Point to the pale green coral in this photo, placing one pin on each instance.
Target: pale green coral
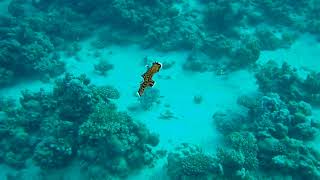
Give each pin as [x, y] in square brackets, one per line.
[189, 162]
[245, 143]
[106, 92]
[103, 122]
[196, 165]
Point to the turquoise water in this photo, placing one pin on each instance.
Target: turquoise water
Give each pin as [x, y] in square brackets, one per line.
[237, 95]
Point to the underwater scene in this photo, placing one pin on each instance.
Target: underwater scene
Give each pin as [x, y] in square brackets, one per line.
[159, 89]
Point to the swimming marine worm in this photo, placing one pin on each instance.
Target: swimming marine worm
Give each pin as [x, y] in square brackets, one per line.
[147, 77]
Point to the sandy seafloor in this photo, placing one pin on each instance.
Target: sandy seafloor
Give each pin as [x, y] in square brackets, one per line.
[193, 122]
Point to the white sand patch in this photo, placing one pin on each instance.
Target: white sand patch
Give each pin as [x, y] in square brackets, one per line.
[194, 121]
[304, 53]
[14, 91]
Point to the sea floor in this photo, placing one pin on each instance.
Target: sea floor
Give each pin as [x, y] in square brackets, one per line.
[3, 6]
[192, 122]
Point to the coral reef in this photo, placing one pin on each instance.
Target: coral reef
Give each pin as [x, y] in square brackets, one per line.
[215, 30]
[189, 162]
[52, 153]
[273, 137]
[75, 97]
[227, 122]
[75, 121]
[246, 55]
[288, 83]
[115, 137]
[26, 52]
[106, 92]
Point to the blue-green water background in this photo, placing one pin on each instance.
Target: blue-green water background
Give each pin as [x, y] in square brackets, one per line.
[237, 96]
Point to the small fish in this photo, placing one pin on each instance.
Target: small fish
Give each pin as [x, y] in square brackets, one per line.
[147, 77]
